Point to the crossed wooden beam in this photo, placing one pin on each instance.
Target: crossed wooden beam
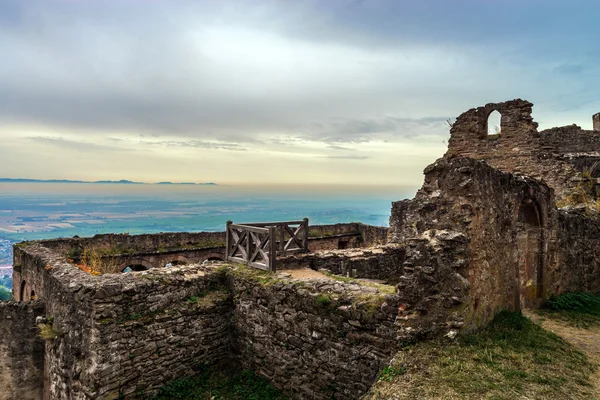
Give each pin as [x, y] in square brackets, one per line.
[256, 244]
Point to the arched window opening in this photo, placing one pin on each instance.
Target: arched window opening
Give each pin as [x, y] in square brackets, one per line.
[494, 123]
[22, 292]
[134, 268]
[33, 296]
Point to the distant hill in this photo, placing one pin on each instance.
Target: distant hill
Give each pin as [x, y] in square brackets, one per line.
[186, 183]
[121, 182]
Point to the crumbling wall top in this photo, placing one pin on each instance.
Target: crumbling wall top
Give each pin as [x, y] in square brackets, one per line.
[473, 123]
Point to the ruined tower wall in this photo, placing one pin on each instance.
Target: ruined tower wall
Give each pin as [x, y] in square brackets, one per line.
[557, 156]
[517, 248]
[21, 351]
[477, 207]
[508, 149]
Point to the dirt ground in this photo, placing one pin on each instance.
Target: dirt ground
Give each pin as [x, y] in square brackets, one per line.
[586, 340]
[304, 273]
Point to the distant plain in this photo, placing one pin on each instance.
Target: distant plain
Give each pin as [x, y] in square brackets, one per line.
[30, 211]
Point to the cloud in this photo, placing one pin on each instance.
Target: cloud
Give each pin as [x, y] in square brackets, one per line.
[348, 157]
[196, 144]
[72, 144]
[281, 79]
[336, 147]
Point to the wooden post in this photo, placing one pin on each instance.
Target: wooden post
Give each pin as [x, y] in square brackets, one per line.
[227, 239]
[248, 247]
[305, 238]
[272, 247]
[281, 228]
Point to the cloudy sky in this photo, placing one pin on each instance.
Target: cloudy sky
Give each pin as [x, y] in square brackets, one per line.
[325, 91]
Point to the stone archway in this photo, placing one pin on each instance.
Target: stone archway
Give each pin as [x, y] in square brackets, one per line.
[530, 244]
[177, 261]
[213, 257]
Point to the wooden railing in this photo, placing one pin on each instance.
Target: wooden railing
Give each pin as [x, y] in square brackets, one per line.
[259, 244]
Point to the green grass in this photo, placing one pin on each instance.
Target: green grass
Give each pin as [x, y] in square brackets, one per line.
[581, 310]
[512, 358]
[324, 299]
[212, 384]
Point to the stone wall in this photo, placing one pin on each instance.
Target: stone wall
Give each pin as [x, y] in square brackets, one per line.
[65, 290]
[479, 240]
[378, 262]
[115, 243]
[321, 339]
[111, 253]
[152, 327]
[125, 335]
[578, 258]
[490, 232]
[21, 351]
[345, 236]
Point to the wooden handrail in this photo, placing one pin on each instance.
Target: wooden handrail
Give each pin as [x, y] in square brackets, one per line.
[258, 244]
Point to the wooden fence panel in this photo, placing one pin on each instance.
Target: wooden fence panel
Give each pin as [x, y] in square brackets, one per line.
[259, 244]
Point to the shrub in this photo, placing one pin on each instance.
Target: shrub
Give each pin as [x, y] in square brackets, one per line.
[575, 301]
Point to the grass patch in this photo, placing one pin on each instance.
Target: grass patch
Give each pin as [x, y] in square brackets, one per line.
[324, 300]
[211, 384]
[512, 358]
[368, 304]
[390, 372]
[258, 275]
[581, 310]
[209, 299]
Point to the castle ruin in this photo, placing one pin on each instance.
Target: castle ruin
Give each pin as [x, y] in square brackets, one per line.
[483, 234]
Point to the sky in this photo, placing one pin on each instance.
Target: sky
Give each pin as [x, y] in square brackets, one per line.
[320, 92]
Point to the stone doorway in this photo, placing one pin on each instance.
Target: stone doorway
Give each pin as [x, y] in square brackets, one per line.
[530, 240]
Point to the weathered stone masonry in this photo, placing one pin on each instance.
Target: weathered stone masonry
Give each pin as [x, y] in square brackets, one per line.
[21, 351]
[480, 236]
[557, 156]
[128, 334]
